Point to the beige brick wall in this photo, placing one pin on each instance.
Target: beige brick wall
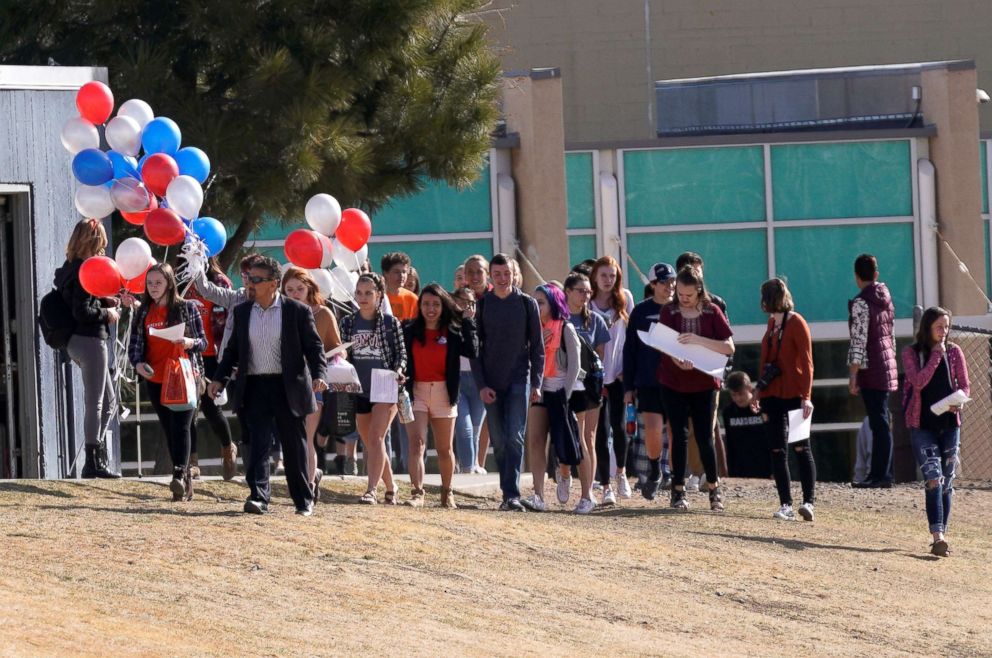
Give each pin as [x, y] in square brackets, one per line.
[601, 45]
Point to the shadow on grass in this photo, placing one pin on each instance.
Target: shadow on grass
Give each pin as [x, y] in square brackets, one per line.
[147, 510]
[796, 544]
[22, 487]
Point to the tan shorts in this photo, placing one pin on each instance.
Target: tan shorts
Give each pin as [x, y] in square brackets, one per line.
[432, 398]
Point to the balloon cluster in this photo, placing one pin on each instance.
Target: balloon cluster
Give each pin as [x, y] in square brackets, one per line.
[335, 236]
[162, 191]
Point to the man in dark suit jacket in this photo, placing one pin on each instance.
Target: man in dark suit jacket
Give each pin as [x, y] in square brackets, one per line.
[280, 362]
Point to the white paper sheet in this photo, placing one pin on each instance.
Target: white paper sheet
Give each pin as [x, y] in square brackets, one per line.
[665, 339]
[955, 399]
[385, 388]
[173, 334]
[340, 349]
[799, 428]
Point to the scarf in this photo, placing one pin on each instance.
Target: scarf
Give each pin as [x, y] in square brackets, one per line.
[551, 345]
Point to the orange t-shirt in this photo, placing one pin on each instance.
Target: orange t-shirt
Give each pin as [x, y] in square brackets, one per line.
[206, 310]
[404, 305]
[158, 351]
[429, 359]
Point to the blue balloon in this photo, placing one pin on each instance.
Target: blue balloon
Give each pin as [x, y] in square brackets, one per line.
[124, 165]
[193, 162]
[92, 167]
[161, 135]
[212, 232]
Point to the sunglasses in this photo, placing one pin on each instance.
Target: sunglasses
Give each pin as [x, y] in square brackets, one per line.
[259, 279]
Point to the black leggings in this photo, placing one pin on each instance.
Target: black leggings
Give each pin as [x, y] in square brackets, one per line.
[776, 412]
[612, 418]
[175, 425]
[680, 407]
[215, 417]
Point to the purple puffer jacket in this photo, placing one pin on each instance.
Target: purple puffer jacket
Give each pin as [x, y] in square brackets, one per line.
[917, 378]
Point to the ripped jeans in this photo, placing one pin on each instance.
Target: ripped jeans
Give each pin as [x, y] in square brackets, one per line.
[937, 455]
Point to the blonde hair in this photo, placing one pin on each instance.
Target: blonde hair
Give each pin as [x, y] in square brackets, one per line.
[314, 298]
[89, 238]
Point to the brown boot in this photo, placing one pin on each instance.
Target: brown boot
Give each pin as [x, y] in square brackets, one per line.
[194, 466]
[416, 498]
[448, 499]
[230, 456]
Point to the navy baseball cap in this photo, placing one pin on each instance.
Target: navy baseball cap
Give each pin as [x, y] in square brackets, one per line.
[661, 272]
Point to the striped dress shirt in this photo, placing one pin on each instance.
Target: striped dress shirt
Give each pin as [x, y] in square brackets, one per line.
[265, 334]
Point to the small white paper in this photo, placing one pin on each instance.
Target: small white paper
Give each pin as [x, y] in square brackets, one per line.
[173, 334]
[340, 349]
[799, 427]
[666, 340]
[955, 399]
[385, 388]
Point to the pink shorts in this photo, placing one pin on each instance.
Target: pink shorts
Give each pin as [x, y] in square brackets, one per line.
[432, 398]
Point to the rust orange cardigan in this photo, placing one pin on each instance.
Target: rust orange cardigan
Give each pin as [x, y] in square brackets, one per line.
[794, 357]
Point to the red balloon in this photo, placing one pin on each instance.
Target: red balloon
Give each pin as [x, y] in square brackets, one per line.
[305, 248]
[164, 227]
[95, 102]
[138, 218]
[158, 171]
[354, 230]
[100, 277]
[136, 286]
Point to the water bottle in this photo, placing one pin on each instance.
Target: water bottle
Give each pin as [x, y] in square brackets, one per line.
[631, 420]
[404, 407]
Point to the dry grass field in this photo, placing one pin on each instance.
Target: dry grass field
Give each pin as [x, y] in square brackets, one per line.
[113, 568]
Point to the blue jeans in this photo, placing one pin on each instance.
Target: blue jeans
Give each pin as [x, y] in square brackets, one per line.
[877, 407]
[507, 430]
[937, 455]
[471, 413]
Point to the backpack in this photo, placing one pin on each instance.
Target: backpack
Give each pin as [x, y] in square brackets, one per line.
[55, 320]
[592, 367]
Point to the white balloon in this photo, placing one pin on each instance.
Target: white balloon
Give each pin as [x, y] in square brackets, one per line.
[79, 134]
[344, 284]
[327, 252]
[133, 257]
[130, 195]
[185, 196]
[324, 281]
[323, 213]
[124, 135]
[94, 201]
[138, 110]
[362, 255]
[348, 259]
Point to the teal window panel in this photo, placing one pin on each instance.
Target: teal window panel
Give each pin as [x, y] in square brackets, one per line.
[435, 260]
[580, 180]
[272, 228]
[818, 264]
[694, 186]
[983, 153]
[736, 264]
[580, 247]
[854, 179]
[438, 208]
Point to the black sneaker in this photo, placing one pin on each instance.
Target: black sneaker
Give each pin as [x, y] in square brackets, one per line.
[872, 484]
[678, 501]
[306, 510]
[256, 506]
[716, 499]
[512, 505]
[650, 488]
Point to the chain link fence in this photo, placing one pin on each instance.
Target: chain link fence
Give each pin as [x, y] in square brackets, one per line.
[976, 423]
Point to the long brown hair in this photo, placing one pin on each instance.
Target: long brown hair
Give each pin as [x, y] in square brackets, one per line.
[314, 298]
[89, 238]
[172, 298]
[924, 339]
[691, 276]
[618, 301]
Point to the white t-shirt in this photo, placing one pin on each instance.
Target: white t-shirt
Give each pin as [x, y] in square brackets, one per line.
[613, 358]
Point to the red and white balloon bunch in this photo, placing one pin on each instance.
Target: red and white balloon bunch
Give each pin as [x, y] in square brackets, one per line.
[335, 236]
[162, 191]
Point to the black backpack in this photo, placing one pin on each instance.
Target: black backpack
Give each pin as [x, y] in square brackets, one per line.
[55, 320]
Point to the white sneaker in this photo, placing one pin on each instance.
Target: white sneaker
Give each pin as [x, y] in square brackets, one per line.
[564, 489]
[806, 511]
[478, 470]
[535, 503]
[596, 486]
[585, 506]
[785, 513]
[623, 487]
[692, 484]
[609, 498]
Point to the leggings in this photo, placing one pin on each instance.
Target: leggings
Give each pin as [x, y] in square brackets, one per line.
[175, 424]
[611, 420]
[100, 400]
[776, 412]
[213, 414]
[680, 407]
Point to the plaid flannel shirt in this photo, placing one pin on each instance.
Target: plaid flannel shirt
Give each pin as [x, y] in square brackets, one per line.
[188, 315]
[390, 335]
